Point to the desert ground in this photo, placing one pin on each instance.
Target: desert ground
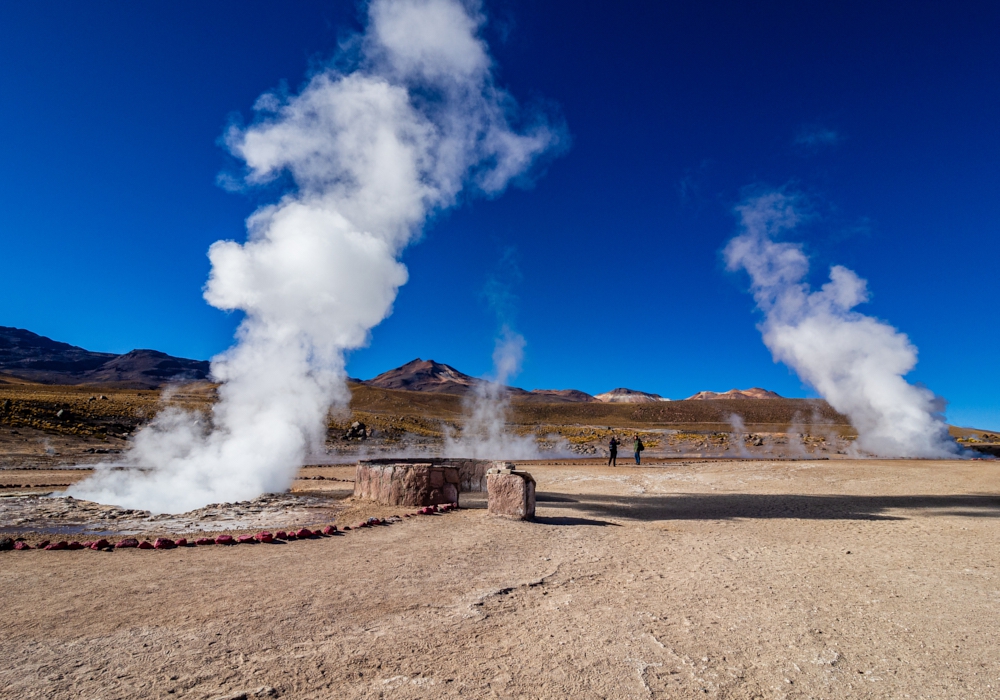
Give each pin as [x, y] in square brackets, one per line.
[683, 579]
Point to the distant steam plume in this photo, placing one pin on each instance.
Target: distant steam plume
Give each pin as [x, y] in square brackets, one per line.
[484, 433]
[854, 361]
[372, 154]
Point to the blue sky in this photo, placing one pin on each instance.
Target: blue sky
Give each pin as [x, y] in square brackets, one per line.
[883, 115]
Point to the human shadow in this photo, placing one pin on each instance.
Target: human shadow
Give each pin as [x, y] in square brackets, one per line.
[732, 506]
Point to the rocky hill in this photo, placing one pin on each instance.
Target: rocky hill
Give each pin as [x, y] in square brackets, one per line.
[559, 396]
[622, 395]
[30, 356]
[753, 393]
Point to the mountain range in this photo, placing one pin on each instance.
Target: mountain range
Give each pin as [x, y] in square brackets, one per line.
[436, 377]
[29, 356]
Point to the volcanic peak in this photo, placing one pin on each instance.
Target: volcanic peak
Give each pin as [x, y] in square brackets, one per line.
[425, 375]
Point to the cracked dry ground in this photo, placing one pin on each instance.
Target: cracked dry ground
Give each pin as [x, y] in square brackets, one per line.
[721, 580]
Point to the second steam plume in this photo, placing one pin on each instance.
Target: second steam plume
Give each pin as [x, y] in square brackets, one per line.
[373, 152]
[856, 362]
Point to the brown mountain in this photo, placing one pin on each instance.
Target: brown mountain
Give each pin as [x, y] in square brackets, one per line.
[753, 393]
[30, 356]
[425, 375]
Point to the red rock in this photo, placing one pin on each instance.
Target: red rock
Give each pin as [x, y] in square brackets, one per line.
[163, 543]
[145, 545]
[347, 528]
[290, 536]
[21, 545]
[225, 539]
[280, 535]
[57, 546]
[511, 494]
[406, 483]
[304, 532]
[87, 544]
[74, 545]
[182, 542]
[330, 530]
[127, 542]
[265, 537]
[43, 544]
[246, 539]
[100, 544]
[201, 541]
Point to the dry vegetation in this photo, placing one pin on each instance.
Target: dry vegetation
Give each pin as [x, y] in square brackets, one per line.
[47, 425]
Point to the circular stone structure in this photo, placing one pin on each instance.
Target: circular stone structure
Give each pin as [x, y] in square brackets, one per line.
[425, 481]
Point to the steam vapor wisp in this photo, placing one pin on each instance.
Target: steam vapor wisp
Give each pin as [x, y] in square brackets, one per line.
[856, 362]
[484, 433]
[372, 153]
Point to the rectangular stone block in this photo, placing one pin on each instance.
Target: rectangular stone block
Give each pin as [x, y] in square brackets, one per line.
[473, 474]
[511, 494]
[406, 484]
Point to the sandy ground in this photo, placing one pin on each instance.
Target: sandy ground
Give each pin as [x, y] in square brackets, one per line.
[825, 579]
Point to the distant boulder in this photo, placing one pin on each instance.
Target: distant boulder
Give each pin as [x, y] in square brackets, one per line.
[357, 431]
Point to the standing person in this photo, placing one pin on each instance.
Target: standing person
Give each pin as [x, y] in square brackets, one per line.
[638, 447]
[613, 451]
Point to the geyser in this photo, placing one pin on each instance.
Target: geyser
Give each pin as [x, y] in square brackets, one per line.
[372, 152]
[856, 362]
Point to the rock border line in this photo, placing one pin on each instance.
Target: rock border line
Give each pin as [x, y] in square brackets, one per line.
[263, 537]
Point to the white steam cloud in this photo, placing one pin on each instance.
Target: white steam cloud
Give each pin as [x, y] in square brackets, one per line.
[372, 153]
[854, 361]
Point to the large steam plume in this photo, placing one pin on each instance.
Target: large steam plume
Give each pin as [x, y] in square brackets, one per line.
[372, 153]
[854, 361]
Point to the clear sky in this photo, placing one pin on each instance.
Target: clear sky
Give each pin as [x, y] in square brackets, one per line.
[884, 115]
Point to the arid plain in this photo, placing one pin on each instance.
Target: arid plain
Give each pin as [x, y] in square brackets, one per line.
[820, 577]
